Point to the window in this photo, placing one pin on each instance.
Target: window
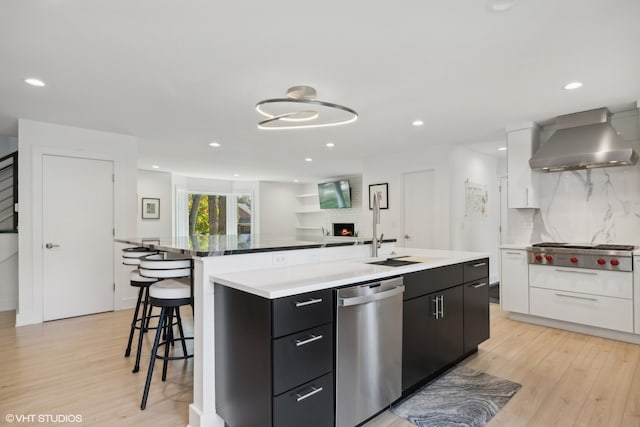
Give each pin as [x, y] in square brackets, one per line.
[219, 214]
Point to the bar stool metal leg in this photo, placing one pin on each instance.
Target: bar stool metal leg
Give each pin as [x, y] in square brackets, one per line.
[134, 322]
[152, 359]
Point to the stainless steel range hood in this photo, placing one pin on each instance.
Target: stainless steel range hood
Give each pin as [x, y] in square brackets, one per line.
[581, 141]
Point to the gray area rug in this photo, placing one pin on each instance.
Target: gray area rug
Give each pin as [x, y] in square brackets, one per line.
[462, 397]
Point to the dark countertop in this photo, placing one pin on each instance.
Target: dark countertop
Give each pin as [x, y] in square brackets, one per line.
[218, 245]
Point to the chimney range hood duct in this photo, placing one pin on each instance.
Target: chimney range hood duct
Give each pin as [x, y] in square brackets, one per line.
[581, 141]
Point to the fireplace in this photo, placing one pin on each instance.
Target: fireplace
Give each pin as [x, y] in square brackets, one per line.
[343, 229]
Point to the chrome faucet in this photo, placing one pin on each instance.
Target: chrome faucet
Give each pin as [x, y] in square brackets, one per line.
[375, 242]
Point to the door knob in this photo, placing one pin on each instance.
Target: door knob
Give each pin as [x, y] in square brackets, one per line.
[406, 236]
[51, 245]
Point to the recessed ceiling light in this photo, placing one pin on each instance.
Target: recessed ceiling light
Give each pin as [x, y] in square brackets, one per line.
[214, 144]
[502, 149]
[308, 159]
[236, 174]
[417, 123]
[330, 144]
[155, 166]
[34, 82]
[500, 5]
[573, 85]
[295, 180]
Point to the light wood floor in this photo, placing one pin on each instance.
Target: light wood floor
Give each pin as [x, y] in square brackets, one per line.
[76, 366]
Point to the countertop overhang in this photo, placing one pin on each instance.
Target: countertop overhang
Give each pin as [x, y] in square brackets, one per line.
[219, 245]
[280, 282]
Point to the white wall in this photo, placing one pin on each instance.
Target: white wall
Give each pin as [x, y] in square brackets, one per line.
[36, 138]
[391, 169]
[8, 271]
[470, 230]
[156, 185]
[277, 209]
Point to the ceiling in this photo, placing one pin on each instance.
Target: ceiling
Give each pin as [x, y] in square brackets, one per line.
[181, 74]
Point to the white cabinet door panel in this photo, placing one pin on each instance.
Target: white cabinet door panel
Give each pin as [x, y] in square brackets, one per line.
[514, 281]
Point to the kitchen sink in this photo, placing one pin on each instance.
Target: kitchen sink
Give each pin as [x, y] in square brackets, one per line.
[394, 262]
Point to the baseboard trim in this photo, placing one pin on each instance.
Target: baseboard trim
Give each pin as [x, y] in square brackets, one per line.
[576, 327]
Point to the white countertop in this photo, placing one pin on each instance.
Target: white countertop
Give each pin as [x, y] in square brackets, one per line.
[285, 281]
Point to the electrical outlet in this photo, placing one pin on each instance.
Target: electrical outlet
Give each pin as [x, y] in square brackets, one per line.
[279, 259]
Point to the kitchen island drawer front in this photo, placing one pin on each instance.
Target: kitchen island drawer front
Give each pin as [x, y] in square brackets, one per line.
[433, 280]
[298, 312]
[310, 405]
[586, 309]
[617, 284]
[300, 357]
[476, 270]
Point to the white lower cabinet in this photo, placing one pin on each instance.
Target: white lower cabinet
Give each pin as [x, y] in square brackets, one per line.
[514, 280]
[586, 309]
[599, 298]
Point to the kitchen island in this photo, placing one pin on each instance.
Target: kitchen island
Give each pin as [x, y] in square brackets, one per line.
[273, 269]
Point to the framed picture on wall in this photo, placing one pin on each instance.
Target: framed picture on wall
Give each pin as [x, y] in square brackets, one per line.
[382, 192]
[150, 208]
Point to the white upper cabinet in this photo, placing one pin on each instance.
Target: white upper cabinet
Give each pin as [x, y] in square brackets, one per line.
[523, 182]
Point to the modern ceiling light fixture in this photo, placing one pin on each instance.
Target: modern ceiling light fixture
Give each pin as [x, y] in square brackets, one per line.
[300, 110]
[417, 123]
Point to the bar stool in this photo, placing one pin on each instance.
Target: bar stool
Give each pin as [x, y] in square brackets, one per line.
[140, 321]
[172, 291]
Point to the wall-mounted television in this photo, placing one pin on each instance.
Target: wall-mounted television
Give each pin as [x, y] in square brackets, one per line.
[335, 194]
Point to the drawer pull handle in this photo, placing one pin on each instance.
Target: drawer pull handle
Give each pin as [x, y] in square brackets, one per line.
[513, 253]
[313, 391]
[576, 297]
[480, 264]
[579, 272]
[311, 301]
[479, 285]
[312, 338]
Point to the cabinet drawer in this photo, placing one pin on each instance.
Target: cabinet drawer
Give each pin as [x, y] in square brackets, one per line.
[476, 270]
[310, 405]
[593, 310]
[432, 280]
[617, 284]
[300, 357]
[304, 311]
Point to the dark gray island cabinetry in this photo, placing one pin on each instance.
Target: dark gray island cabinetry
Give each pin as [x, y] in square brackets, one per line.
[274, 359]
[445, 317]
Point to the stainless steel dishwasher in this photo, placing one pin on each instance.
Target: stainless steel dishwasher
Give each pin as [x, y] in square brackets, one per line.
[369, 349]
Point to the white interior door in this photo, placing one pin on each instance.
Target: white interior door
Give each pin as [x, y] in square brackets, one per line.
[419, 209]
[77, 236]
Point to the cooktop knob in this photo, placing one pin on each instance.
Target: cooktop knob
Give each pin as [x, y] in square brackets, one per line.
[549, 258]
[538, 257]
[573, 259]
[601, 261]
[614, 262]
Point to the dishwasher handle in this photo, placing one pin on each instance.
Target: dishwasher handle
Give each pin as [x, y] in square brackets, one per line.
[345, 302]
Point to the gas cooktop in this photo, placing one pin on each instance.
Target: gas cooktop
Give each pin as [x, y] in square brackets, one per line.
[601, 247]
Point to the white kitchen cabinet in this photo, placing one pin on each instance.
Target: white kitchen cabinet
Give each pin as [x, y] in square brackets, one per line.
[514, 280]
[600, 298]
[522, 181]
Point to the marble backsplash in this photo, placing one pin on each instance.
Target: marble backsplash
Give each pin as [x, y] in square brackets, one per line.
[585, 206]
